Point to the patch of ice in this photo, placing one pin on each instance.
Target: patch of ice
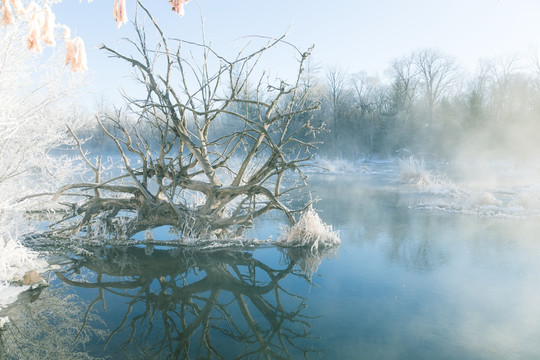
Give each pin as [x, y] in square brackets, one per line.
[9, 294]
[508, 203]
[207, 244]
[337, 166]
[486, 198]
[526, 199]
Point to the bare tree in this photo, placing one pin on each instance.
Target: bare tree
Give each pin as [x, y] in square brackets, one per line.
[364, 88]
[336, 79]
[404, 77]
[366, 93]
[477, 94]
[184, 172]
[438, 72]
[503, 71]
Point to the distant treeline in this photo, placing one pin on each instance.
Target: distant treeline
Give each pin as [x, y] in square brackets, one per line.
[426, 104]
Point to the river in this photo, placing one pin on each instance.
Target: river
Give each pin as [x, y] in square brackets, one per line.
[428, 268]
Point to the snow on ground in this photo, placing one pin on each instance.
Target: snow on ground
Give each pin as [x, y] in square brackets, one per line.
[334, 166]
[502, 188]
[15, 261]
[488, 189]
[8, 294]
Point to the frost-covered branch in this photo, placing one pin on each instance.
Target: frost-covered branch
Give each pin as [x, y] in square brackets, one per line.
[33, 117]
[183, 167]
[40, 23]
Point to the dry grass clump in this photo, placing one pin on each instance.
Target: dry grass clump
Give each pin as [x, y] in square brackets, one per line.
[413, 172]
[309, 231]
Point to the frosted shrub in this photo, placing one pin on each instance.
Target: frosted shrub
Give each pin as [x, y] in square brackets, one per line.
[334, 166]
[3, 321]
[413, 171]
[309, 231]
[15, 259]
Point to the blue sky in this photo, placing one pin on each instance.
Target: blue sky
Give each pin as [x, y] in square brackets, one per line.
[363, 35]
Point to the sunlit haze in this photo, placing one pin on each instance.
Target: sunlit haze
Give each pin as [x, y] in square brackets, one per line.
[354, 35]
[207, 186]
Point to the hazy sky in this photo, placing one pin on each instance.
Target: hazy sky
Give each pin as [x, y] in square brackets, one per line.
[362, 35]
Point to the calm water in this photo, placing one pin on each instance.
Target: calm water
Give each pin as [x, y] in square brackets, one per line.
[408, 282]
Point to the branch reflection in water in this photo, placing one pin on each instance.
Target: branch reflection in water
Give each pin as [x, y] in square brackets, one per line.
[184, 303]
[44, 324]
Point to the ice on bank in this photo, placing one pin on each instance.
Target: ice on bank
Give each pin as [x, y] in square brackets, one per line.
[15, 262]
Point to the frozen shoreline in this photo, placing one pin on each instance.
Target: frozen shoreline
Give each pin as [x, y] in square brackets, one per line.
[15, 262]
[8, 295]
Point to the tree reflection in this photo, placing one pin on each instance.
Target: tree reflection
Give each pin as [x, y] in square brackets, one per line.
[43, 324]
[182, 303]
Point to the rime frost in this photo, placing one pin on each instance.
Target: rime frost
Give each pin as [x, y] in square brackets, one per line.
[33, 119]
[414, 172]
[309, 231]
[14, 258]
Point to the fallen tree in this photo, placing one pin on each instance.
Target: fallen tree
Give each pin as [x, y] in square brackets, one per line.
[216, 143]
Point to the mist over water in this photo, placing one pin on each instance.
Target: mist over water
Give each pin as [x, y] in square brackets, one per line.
[422, 243]
[450, 280]
[507, 188]
[429, 266]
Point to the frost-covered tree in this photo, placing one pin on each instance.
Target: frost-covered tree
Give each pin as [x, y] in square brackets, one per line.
[183, 173]
[33, 119]
[41, 24]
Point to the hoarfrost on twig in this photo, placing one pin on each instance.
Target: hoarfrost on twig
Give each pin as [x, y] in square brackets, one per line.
[310, 231]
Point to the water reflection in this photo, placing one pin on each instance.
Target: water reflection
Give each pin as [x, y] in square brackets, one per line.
[181, 303]
[44, 323]
[428, 285]
[380, 216]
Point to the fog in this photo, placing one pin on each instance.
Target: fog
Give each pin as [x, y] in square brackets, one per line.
[426, 104]
[427, 176]
[465, 272]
